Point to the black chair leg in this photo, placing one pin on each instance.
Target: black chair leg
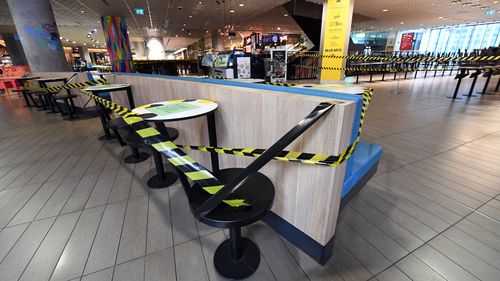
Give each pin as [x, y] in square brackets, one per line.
[56, 104]
[237, 257]
[119, 137]
[136, 157]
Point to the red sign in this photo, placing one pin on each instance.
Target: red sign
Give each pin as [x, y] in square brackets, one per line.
[407, 41]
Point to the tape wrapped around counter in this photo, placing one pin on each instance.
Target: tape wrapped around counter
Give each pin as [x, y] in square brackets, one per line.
[185, 163]
[293, 156]
[70, 86]
[201, 176]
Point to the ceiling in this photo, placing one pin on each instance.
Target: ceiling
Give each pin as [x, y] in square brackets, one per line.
[182, 20]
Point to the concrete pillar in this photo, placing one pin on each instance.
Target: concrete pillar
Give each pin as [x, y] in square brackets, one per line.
[37, 29]
[120, 53]
[14, 48]
[84, 53]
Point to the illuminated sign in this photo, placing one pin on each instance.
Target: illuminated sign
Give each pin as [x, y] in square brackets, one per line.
[139, 11]
[489, 12]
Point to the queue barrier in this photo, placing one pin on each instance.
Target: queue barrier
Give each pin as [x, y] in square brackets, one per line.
[402, 60]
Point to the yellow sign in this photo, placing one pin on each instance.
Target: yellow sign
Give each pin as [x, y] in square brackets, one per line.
[336, 30]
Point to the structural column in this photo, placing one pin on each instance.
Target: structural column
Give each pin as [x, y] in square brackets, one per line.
[115, 32]
[84, 53]
[335, 37]
[15, 49]
[37, 29]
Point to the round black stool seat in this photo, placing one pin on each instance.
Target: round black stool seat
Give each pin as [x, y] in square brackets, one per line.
[257, 189]
[117, 123]
[237, 257]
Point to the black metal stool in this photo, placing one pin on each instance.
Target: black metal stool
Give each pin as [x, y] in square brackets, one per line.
[115, 125]
[237, 257]
[136, 142]
[162, 178]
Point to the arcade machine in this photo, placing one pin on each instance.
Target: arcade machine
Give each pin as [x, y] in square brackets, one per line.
[225, 64]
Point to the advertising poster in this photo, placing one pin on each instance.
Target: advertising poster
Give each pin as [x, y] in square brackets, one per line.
[407, 42]
[244, 65]
[337, 27]
[279, 60]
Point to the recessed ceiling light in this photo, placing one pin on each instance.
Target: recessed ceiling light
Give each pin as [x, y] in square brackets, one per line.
[190, 17]
[60, 38]
[232, 11]
[82, 11]
[176, 35]
[84, 44]
[182, 29]
[189, 33]
[385, 10]
[241, 5]
[73, 42]
[199, 3]
[207, 31]
[440, 18]
[402, 22]
[285, 15]
[67, 40]
[278, 28]
[184, 24]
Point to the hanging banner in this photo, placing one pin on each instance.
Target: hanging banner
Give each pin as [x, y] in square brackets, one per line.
[336, 30]
[407, 42]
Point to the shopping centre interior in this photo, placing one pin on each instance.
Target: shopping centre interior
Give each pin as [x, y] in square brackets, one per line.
[182, 140]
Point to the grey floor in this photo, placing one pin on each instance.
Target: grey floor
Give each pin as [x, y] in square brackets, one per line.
[70, 209]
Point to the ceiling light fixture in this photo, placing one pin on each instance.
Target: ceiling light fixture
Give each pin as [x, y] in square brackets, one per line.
[199, 3]
[82, 11]
[241, 5]
[285, 15]
[232, 11]
[385, 10]
[402, 22]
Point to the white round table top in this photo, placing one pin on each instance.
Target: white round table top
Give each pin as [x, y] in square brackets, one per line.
[107, 87]
[172, 110]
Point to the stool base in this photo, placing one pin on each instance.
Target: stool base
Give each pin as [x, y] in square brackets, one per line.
[237, 269]
[132, 159]
[156, 183]
[104, 137]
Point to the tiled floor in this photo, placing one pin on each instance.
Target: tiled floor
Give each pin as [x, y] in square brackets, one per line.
[70, 209]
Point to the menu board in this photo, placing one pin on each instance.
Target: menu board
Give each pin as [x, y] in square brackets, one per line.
[244, 67]
[336, 32]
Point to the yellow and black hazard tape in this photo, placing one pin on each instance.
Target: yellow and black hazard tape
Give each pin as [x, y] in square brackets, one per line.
[279, 84]
[402, 60]
[70, 86]
[218, 77]
[293, 156]
[200, 175]
[366, 69]
[185, 163]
